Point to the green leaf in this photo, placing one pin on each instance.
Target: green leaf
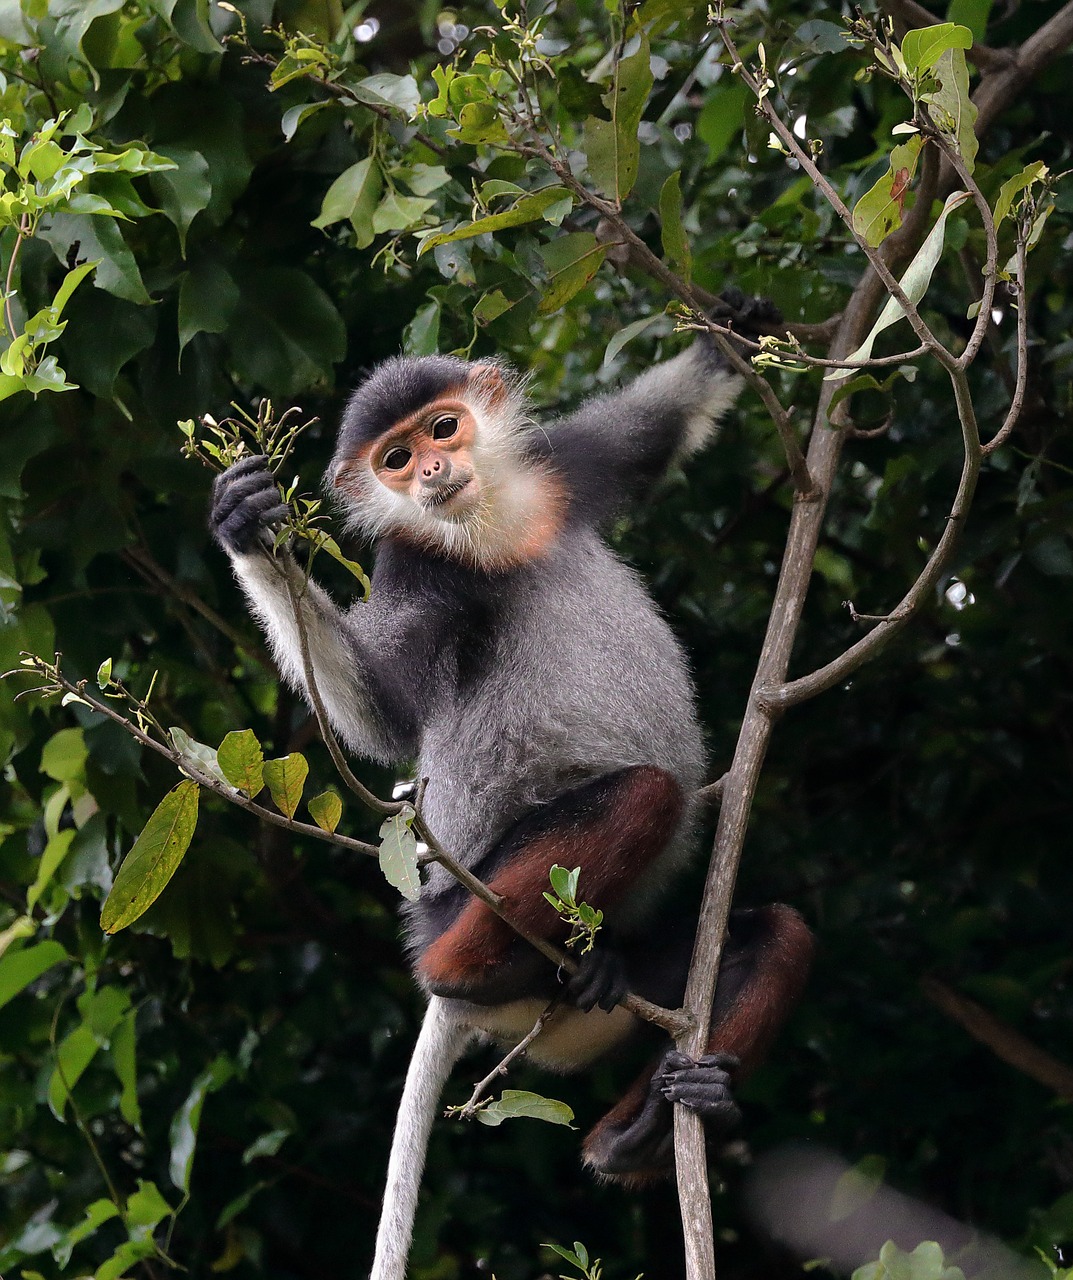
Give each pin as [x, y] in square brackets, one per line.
[55, 852]
[398, 854]
[922, 49]
[353, 195]
[18, 969]
[184, 191]
[286, 779]
[675, 241]
[145, 1208]
[914, 283]
[325, 542]
[422, 334]
[723, 117]
[266, 1145]
[528, 209]
[1013, 187]
[518, 1103]
[612, 146]
[64, 756]
[124, 1061]
[386, 90]
[104, 674]
[880, 210]
[154, 859]
[293, 118]
[572, 261]
[100, 240]
[199, 755]
[207, 299]
[953, 111]
[630, 332]
[326, 810]
[187, 1120]
[242, 761]
[98, 1213]
[972, 14]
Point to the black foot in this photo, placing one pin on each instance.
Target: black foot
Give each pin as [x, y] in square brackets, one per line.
[600, 980]
[702, 1085]
[245, 505]
[747, 315]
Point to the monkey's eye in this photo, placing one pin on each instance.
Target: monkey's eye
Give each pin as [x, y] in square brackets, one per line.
[444, 428]
[396, 459]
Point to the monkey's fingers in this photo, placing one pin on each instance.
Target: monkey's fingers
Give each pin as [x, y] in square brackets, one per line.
[600, 980]
[246, 502]
[702, 1085]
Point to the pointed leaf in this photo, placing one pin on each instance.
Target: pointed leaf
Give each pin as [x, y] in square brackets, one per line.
[187, 1120]
[914, 283]
[1013, 187]
[286, 779]
[326, 810]
[675, 241]
[517, 1103]
[242, 761]
[879, 211]
[572, 261]
[528, 209]
[19, 968]
[950, 105]
[154, 859]
[923, 48]
[398, 854]
[613, 147]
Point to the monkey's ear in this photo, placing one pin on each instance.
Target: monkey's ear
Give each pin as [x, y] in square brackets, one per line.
[488, 382]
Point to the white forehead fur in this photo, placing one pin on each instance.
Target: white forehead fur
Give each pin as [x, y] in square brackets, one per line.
[513, 488]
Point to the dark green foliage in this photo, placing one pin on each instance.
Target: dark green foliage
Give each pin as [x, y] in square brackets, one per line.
[243, 1043]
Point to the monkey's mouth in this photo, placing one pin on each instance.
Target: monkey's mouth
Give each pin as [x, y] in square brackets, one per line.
[438, 499]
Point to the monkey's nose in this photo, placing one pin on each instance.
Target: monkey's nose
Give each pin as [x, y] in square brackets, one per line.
[430, 468]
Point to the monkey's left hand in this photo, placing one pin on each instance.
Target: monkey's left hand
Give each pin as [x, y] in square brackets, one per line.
[600, 980]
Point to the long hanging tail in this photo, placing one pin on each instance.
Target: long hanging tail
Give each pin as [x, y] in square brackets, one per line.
[438, 1048]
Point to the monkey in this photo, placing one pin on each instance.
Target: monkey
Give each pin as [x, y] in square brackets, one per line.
[523, 665]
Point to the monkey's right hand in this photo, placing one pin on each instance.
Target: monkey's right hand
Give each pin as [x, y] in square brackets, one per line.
[245, 505]
[600, 980]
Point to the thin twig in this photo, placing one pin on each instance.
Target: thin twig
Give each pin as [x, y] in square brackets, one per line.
[1017, 403]
[475, 1102]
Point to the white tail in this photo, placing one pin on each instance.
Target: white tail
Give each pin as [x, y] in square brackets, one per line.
[438, 1048]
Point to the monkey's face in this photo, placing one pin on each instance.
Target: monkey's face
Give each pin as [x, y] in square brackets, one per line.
[429, 458]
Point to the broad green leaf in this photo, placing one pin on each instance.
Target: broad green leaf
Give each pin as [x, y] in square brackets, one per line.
[675, 241]
[71, 281]
[184, 191]
[18, 969]
[74, 1054]
[923, 48]
[98, 1213]
[914, 283]
[286, 779]
[144, 1210]
[389, 90]
[1013, 187]
[422, 335]
[99, 240]
[518, 1103]
[879, 211]
[528, 209]
[572, 261]
[154, 858]
[397, 212]
[491, 306]
[953, 111]
[207, 299]
[326, 810]
[723, 117]
[242, 761]
[613, 147]
[55, 852]
[354, 195]
[64, 756]
[398, 854]
[187, 1120]
[125, 1258]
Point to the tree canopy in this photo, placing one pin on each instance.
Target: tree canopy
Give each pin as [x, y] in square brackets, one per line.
[229, 209]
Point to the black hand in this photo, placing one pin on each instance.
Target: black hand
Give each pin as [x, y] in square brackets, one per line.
[245, 504]
[600, 980]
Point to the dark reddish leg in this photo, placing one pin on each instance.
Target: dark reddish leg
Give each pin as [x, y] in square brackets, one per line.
[765, 965]
[613, 828]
